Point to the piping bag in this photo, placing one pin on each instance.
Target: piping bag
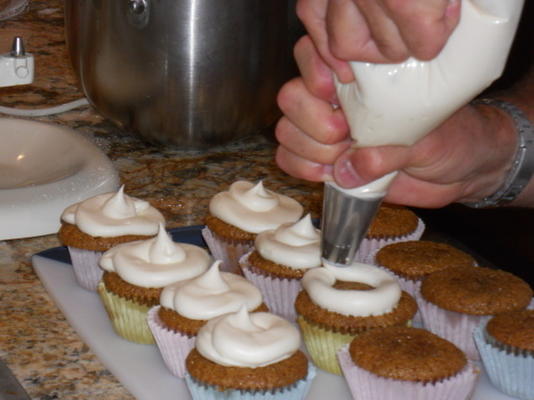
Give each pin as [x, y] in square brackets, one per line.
[397, 104]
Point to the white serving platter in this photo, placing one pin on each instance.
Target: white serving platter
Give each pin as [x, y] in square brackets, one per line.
[139, 367]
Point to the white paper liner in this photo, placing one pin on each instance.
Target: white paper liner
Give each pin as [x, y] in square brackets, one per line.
[278, 294]
[511, 374]
[369, 246]
[228, 253]
[454, 326]
[86, 269]
[365, 385]
[173, 346]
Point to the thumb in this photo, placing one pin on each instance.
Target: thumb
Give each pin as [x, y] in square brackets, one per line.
[358, 166]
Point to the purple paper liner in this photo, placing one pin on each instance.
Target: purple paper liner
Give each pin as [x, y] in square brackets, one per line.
[86, 269]
[226, 251]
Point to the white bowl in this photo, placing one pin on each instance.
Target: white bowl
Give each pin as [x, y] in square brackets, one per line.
[43, 169]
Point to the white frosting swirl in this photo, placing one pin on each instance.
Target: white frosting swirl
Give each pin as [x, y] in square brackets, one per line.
[253, 208]
[296, 245]
[247, 340]
[211, 294]
[155, 262]
[318, 283]
[114, 214]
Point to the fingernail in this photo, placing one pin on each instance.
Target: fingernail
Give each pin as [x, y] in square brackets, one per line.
[345, 174]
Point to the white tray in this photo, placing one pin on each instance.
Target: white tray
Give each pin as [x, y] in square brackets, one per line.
[140, 367]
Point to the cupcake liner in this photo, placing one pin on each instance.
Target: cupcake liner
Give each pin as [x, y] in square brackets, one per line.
[365, 385]
[369, 246]
[454, 326]
[278, 294]
[227, 251]
[322, 345]
[174, 347]
[298, 391]
[85, 266]
[511, 374]
[129, 319]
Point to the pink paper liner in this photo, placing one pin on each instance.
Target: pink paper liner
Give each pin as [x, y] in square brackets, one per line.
[454, 326]
[365, 385]
[86, 269]
[174, 347]
[278, 294]
[228, 252]
[369, 246]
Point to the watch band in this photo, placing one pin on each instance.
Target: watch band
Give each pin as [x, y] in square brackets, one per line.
[523, 162]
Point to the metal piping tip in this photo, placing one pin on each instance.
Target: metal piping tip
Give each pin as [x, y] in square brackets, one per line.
[344, 223]
[17, 48]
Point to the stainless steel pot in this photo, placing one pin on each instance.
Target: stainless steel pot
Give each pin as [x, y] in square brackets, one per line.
[191, 73]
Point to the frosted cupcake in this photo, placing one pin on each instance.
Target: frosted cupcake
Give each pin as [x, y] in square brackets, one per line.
[455, 301]
[135, 275]
[279, 260]
[403, 363]
[186, 306]
[506, 346]
[337, 304]
[93, 226]
[250, 356]
[236, 216]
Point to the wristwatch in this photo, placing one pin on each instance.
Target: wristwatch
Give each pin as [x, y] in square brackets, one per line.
[523, 162]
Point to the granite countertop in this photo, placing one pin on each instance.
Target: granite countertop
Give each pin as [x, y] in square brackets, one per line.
[36, 342]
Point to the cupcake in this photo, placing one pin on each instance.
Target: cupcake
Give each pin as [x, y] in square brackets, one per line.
[413, 260]
[404, 363]
[93, 226]
[248, 356]
[236, 216]
[279, 260]
[337, 304]
[454, 301]
[186, 306]
[391, 224]
[135, 275]
[506, 346]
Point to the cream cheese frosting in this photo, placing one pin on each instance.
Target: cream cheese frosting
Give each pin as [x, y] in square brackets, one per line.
[244, 339]
[296, 245]
[383, 298]
[114, 214]
[253, 208]
[156, 262]
[211, 294]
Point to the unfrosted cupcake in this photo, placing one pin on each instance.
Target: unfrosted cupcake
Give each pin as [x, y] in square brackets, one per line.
[246, 356]
[136, 273]
[391, 224]
[337, 304]
[455, 301]
[237, 215]
[403, 363]
[506, 346]
[414, 260]
[186, 306]
[279, 260]
[93, 226]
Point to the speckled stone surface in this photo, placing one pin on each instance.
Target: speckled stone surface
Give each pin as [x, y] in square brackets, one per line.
[36, 342]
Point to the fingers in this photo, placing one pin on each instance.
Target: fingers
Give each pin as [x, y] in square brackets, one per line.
[300, 167]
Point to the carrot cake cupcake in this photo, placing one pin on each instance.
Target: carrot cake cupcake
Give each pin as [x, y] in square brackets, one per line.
[337, 304]
[92, 226]
[391, 224]
[186, 306]
[454, 301]
[250, 356]
[413, 260]
[279, 260]
[237, 215]
[404, 363]
[136, 273]
[506, 346]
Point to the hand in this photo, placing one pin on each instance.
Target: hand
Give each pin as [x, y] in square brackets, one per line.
[464, 159]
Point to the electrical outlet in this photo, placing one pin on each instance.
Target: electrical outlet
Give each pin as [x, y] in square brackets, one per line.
[16, 67]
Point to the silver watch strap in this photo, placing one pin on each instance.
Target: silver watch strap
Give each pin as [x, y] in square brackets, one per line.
[523, 163]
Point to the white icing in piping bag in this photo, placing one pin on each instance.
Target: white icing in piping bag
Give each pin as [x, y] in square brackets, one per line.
[397, 104]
